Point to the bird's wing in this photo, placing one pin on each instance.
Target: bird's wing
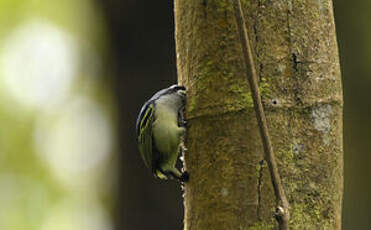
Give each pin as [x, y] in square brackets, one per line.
[144, 132]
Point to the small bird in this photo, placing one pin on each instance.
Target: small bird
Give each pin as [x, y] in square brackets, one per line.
[160, 127]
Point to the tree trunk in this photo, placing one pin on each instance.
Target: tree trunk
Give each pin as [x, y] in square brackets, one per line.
[299, 78]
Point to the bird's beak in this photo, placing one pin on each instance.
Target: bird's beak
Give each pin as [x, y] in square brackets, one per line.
[182, 94]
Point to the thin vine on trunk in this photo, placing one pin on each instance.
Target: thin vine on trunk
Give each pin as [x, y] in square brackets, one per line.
[282, 206]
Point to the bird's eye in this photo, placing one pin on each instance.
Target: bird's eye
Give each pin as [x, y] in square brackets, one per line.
[180, 87]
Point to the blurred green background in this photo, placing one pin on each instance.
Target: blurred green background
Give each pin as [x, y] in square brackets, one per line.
[73, 76]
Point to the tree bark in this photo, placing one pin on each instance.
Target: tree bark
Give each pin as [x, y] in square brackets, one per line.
[296, 59]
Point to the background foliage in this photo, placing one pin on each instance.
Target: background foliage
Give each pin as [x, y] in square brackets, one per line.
[56, 115]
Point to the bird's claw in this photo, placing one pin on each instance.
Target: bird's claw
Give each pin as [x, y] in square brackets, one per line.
[185, 177]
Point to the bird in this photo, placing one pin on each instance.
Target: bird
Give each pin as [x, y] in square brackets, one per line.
[160, 127]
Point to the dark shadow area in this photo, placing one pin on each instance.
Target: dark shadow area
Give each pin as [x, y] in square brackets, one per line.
[143, 48]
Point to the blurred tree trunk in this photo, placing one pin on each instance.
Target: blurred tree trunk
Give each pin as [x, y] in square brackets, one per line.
[355, 44]
[297, 61]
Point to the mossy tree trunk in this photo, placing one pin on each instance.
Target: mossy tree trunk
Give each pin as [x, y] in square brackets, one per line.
[299, 78]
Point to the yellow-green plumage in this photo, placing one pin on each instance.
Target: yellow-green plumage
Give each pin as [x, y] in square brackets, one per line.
[145, 137]
[167, 136]
[159, 135]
